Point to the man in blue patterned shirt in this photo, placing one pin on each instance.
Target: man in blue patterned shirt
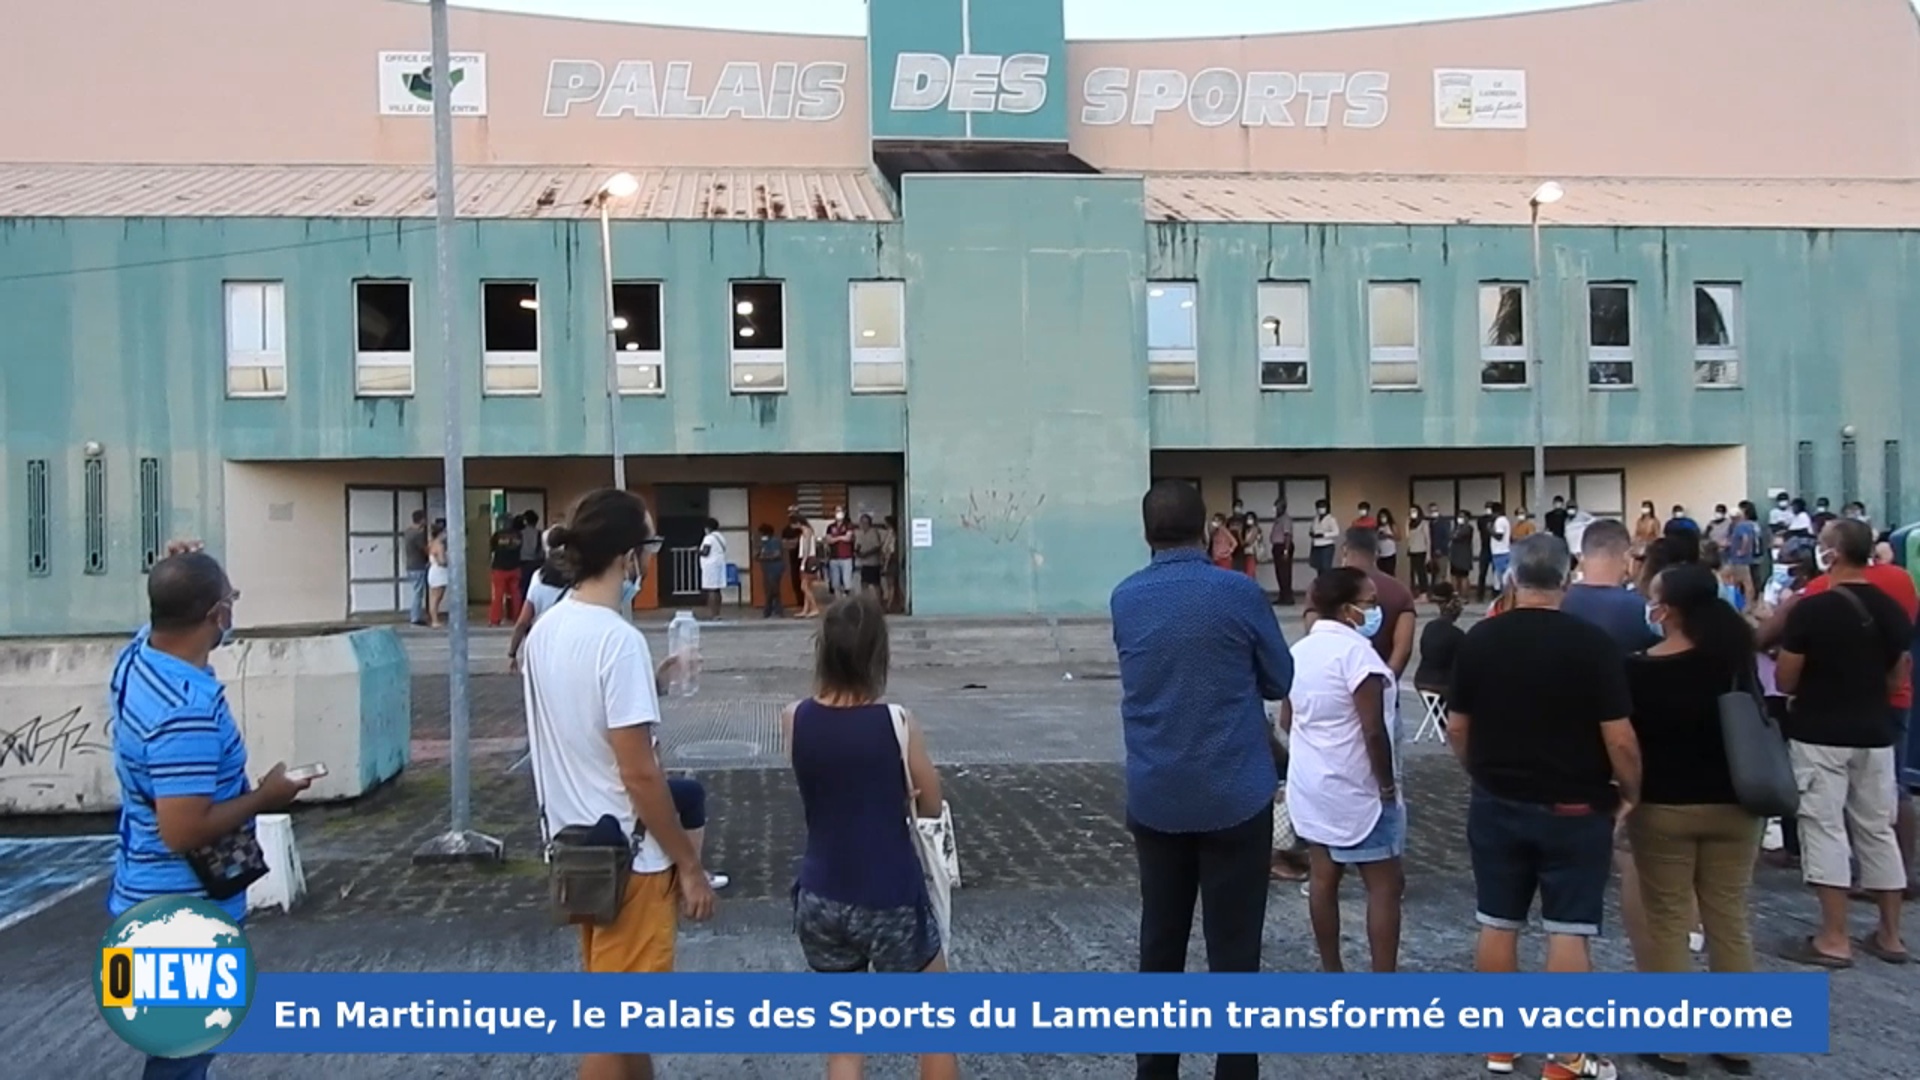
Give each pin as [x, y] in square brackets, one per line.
[1200, 654]
[179, 756]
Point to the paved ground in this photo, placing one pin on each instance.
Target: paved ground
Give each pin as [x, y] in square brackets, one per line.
[1031, 764]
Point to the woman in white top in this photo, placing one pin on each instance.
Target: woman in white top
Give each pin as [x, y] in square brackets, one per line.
[1343, 789]
[713, 567]
[438, 575]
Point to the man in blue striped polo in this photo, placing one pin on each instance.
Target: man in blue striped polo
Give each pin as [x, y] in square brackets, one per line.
[179, 756]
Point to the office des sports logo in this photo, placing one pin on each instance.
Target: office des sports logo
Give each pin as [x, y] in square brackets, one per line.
[175, 976]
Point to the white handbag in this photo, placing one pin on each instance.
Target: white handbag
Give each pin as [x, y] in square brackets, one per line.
[1284, 838]
[933, 844]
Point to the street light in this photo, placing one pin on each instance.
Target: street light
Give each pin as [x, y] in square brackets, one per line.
[618, 186]
[1545, 195]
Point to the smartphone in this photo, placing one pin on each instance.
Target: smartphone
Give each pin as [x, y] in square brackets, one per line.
[307, 772]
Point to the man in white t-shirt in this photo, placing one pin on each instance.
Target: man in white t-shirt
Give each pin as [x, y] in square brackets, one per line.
[593, 712]
[1500, 543]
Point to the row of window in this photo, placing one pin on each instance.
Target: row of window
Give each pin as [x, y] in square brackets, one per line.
[510, 339]
[93, 511]
[1394, 338]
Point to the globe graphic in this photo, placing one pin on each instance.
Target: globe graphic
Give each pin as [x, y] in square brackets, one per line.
[177, 922]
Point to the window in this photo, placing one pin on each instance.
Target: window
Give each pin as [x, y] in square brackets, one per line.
[1503, 335]
[759, 361]
[1610, 327]
[1173, 362]
[1602, 492]
[383, 325]
[1393, 335]
[879, 335]
[1283, 336]
[39, 563]
[639, 341]
[256, 339]
[94, 514]
[1716, 335]
[153, 519]
[509, 337]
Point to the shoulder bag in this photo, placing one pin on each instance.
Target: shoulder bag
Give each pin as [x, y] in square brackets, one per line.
[933, 844]
[1757, 757]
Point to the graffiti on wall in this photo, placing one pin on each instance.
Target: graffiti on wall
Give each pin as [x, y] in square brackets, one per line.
[999, 515]
[44, 745]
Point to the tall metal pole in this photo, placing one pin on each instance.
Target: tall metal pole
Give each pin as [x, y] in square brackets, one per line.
[459, 843]
[1539, 371]
[613, 352]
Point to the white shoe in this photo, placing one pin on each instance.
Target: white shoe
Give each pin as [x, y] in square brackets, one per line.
[1696, 941]
[717, 882]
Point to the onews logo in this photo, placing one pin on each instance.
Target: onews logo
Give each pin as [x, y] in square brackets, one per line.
[175, 976]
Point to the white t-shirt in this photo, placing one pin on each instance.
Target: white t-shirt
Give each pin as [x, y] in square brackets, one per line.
[541, 596]
[1332, 794]
[585, 671]
[713, 561]
[1500, 541]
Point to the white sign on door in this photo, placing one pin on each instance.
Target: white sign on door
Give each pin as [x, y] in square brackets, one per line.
[923, 532]
[406, 84]
[1479, 98]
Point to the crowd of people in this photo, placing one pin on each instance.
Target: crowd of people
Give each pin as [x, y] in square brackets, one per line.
[1586, 716]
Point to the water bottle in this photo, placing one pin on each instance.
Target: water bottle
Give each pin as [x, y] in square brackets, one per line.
[683, 643]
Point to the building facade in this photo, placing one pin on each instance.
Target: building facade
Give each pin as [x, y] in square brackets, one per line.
[962, 272]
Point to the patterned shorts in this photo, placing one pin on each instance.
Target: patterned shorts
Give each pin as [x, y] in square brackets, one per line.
[837, 938]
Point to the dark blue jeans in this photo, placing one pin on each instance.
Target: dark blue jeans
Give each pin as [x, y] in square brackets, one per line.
[190, 1068]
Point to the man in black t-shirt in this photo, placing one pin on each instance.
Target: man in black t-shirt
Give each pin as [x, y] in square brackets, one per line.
[1843, 651]
[1538, 714]
[503, 566]
[1557, 517]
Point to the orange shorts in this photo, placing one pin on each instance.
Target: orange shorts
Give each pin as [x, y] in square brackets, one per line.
[640, 941]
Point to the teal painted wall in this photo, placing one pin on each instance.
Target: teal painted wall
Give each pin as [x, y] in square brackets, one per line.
[1027, 427]
[1026, 353]
[1829, 329]
[116, 333]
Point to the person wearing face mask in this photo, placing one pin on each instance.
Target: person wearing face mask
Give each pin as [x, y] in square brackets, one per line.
[1326, 538]
[1395, 640]
[840, 554]
[1419, 552]
[593, 713]
[1781, 515]
[550, 584]
[1647, 528]
[1343, 777]
[1692, 842]
[178, 755]
[1843, 657]
[1460, 552]
[1823, 515]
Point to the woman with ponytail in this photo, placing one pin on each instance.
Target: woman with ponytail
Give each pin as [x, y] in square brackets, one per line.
[1692, 842]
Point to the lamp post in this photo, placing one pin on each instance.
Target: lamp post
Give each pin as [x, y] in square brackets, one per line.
[618, 186]
[1545, 195]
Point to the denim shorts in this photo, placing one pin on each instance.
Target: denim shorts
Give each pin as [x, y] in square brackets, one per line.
[1500, 563]
[837, 938]
[1565, 854]
[1388, 840]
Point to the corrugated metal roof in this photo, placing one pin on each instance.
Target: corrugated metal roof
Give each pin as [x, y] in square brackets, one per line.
[389, 191]
[1458, 200]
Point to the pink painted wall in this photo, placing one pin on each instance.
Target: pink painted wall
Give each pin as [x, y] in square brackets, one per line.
[1679, 88]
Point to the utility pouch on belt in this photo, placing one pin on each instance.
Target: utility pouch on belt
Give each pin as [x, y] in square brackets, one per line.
[587, 872]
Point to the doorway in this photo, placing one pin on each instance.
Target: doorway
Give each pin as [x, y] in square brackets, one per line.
[485, 509]
[376, 566]
[681, 515]
[1259, 494]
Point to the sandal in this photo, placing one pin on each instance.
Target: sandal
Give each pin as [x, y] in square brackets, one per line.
[1872, 947]
[1805, 952]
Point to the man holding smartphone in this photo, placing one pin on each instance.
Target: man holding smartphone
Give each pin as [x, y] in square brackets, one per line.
[179, 756]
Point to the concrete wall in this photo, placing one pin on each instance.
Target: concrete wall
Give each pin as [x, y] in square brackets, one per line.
[1825, 322]
[1027, 440]
[342, 699]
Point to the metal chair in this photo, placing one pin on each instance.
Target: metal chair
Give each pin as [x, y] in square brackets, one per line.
[1434, 724]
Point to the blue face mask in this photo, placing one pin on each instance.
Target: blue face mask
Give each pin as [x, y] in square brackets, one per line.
[1653, 626]
[1370, 623]
[628, 590]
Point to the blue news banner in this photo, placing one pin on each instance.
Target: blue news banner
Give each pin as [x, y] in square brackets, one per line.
[1032, 1013]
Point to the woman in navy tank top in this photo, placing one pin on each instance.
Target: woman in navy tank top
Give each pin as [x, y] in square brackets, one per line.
[860, 903]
